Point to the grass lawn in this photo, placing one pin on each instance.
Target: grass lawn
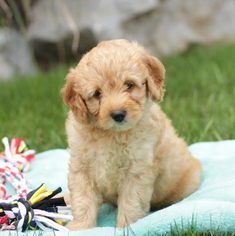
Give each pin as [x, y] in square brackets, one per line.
[200, 100]
[200, 95]
[32, 109]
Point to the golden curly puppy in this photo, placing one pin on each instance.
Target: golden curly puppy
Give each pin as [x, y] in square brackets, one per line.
[124, 150]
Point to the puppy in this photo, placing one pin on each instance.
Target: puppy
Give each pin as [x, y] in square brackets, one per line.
[124, 150]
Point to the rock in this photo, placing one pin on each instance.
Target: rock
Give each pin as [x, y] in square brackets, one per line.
[181, 23]
[162, 26]
[56, 25]
[52, 20]
[58, 36]
[107, 19]
[15, 56]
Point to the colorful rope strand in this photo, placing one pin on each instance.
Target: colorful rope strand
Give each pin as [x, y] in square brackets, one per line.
[38, 210]
[13, 161]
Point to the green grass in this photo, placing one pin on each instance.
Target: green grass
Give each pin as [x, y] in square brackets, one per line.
[32, 109]
[200, 99]
[200, 95]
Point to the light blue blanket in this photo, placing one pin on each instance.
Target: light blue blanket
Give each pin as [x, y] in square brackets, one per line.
[212, 207]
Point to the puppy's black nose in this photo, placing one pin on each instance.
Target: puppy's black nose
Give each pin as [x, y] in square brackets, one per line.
[118, 115]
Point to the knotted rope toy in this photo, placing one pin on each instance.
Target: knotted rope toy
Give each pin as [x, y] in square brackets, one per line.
[28, 209]
[38, 210]
[13, 161]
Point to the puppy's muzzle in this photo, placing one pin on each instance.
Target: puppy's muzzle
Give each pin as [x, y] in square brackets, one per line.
[118, 115]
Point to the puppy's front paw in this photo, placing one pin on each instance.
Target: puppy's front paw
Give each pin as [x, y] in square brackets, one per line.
[73, 225]
[76, 225]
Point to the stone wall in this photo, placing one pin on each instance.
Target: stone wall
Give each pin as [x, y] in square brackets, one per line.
[65, 29]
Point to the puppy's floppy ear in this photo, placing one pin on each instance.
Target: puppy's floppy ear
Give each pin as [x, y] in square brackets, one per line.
[73, 99]
[155, 80]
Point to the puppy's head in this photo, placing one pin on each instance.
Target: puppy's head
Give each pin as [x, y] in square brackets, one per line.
[112, 83]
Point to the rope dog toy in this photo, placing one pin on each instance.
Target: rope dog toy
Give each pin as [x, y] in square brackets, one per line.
[38, 210]
[28, 209]
[13, 161]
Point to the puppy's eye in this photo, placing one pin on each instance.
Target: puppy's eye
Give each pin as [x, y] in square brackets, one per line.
[97, 94]
[129, 86]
